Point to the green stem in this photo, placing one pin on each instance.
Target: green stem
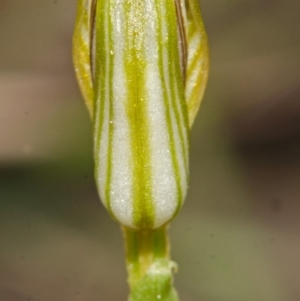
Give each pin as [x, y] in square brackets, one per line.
[150, 269]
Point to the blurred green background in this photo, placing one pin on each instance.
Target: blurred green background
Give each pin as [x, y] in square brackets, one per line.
[237, 237]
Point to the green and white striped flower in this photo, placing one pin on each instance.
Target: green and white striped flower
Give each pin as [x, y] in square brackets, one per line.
[142, 67]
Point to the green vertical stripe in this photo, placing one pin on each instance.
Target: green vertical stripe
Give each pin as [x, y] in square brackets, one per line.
[165, 94]
[100, 75]
[102, 72]
[177, 84]
[175, 75]
[135, 65]
[111, 109]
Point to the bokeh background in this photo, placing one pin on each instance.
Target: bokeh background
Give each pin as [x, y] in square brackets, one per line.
[237, 237]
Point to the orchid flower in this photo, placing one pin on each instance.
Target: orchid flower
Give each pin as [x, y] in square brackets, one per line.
[142, 67]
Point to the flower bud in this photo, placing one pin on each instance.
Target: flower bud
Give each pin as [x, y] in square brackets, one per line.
[142, 67]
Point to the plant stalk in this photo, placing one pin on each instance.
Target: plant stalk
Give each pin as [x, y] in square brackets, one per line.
[150, 270]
